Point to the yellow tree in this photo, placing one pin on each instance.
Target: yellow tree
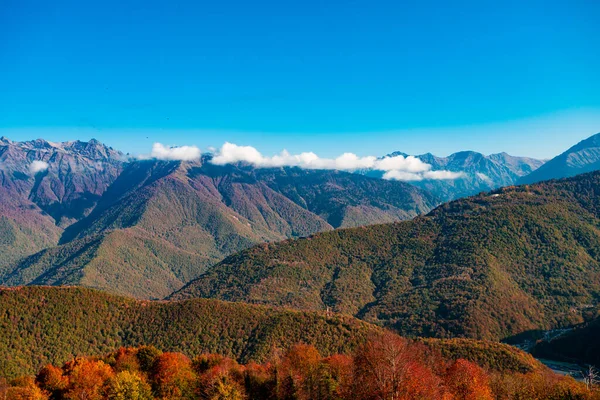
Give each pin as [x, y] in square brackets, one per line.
[127, 385]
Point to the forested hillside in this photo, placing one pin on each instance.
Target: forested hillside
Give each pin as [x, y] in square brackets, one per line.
[43, 325]
[488, 266]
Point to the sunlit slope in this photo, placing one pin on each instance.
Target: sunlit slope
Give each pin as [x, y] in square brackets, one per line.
[488, 266]
[161, 224]
[42, 325]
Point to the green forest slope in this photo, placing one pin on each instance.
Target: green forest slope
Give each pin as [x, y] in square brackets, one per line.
[43, 325]
[487, 267]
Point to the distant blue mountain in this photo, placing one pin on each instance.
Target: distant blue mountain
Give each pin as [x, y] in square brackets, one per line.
[581, 158]
[480, 172]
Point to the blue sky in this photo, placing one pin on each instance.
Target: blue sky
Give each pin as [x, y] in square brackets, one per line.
[325, 76]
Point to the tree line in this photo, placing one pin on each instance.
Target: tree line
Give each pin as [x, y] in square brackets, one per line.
[385, 367]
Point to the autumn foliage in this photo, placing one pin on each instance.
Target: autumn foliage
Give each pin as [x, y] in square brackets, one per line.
[386, 367]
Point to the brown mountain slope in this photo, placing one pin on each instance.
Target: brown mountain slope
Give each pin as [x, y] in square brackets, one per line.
[487, 267]
[38, 201]
[76, 174]
[162, 223]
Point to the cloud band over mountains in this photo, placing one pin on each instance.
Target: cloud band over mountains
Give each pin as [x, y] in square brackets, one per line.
[401, 168]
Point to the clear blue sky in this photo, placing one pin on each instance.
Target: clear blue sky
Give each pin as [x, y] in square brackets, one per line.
[326, 76]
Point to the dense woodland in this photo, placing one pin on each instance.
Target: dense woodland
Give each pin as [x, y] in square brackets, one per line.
[44, 325]
[386, 367]
[41, 325]
[489, 266]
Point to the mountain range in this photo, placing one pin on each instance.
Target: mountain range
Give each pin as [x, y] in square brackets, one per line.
[146, 228]
[159, 224]
[478, 172]
[489, 266]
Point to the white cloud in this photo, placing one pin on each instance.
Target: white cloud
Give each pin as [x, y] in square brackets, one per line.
[37, 166]
[439, 175]
[397, 175]
[401, 163]
[183, 153]
[232, 153]
[399, 167]
[443, 175]
[350, 161]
